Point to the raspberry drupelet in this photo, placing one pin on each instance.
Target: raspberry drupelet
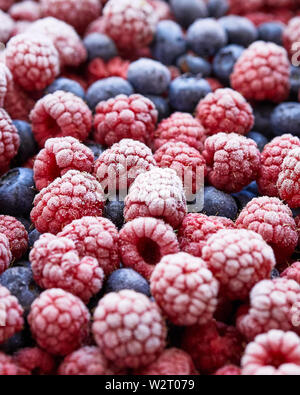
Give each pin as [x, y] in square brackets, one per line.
[60, 155]
[272, 158]
[95, 237]
[288, 183]
[229, 370]
[129, 329]
[275, 353]
[158, 193]
[291, 36]
[185, 289]
[180, 127]
[262, 73]
[60, 114]
[73, 196]
[124, 117]
[225, 110]
[292, 272]
[59, 322]
[8, 367]
[5, 253]
[35, 361]
[9, 141]
[274, 221]
[232, 161]
[118, 167]
[33, 61]
[11, 315]
[16, 234]
[144, 241]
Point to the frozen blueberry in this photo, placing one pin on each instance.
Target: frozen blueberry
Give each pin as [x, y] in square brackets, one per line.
[148, 76]
[33, 236]
[28, 146]
[66, 85]
[271, 32]
[187, 11]
[217, 8]
[218, 203]
[106, 89]
[17, 342]
[169, 42]
[97, 149]
[206, 37]
[243, 198]
[295, 83]
[259, 138]
[194, 65]
[275, 274]
[114, 210]
[186, 91]
[286, 119]
[239, 30]
[253, 188]
[100, 46]
[225, 60]
[17, 192]
[262, 114]
[162, 106]
[127, 279]
[26, 222]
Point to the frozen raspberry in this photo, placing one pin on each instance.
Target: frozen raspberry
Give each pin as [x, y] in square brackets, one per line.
[11, 314]
[262, 73]
[271, 307]
[35, 361]
[99, 69]
[225, 110]
[232, 160]
[5, 78]
[124, 117]
[8, 367]
[97, 26]
[214, 84]
[161, 9]
[272, 158]
[212, 346]
[20, 27]
[243, 7]
[5, 253]
[73, 196]
[9, 141]
[16, 234]
[274, 222]
[292, 272]
[6, 4]
[229, 370]
[130, 23]
[6, 27]
[238, 259]
[25, 11]
[60, 114]
[118, 167]
[291, 36]
[185, 289]
[76, 13]
[188, 163]
[95, 237]
[129, 329]
[144, 241]
[180, 127]
[33, 61]
[59, 321]
[275, 353]
[87, 361]
[158, 193]
[172, 362]
[288, 183]
[58, 157]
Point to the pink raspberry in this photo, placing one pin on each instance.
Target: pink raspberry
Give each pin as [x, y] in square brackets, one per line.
[59, 321]
[238, 259]
[229, 370]
[130, 23]
[225, 110]
[185, 289]
[129, 329]
[180, 127]
[6, 4]
[188, 163]
[118, 167]
[60, 114]
[33, 61]
[292, 272]
[158, 193]
[11, 315]
[275, 353]
[6, 27]
[162, 10]
[5, 253]
[214, 84]
[35, 361]
[274, 221]
[232, 160]
[97, 26]
[144, 241]
[60, 155]
[9, 141]
[124, 117]
[98, 69]
[288, 183]
[8, 367]
[73, 196]
[95, 237]
[291, 36]
[27, 10]
[272, 158]
[271, 307]
[240, 7]
[196, 229]
[262, 73]
[76, 13]
[212, 346]
[16, 234]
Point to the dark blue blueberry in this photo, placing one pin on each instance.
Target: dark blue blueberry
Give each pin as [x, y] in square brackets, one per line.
[18, 342]
[271, 32]
[33, 236]
[187, 11]
[100, 46]
[107, 88]
[259, 138]
[217, 8]
[66, 85]
[97, 149]
[148, 76]
[206, 37]
[114, 210]
[243, 198]
[218, 203]
[275, 274]
[162, 106]
[169, 42]
[28, 146]
[253, 188]
[239, 30]
[225, 60]
[295, 83]
[186, 91]
[127, 279]
[296, 212]
[17, 192]
[194, 65]
[286, 119]
[262, 114]
[25, 222]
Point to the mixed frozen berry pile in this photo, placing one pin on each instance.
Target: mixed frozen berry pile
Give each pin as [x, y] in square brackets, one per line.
[150, 187]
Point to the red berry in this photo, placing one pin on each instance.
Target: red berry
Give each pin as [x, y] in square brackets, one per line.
[292, 272]
[11, 315]
[162, 10]
[239, 7]
[291, 36]
[9, 141]
[5, 253]
[229, 370]
[97, 26]
[6, 4]
[99, 69]
[288, 183]
[27, 10]
[214, 84]
[35, 361]
[16, 234]
[7, 27]
[8, 367]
